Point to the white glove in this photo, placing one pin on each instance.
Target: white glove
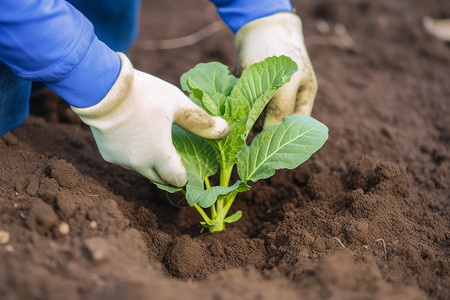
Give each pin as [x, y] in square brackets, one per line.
[132, 125]
[280, 34]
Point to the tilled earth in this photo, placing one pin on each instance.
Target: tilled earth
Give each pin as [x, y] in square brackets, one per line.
[367, 217]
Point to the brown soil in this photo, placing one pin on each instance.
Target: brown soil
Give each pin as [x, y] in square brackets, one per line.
[366, 218]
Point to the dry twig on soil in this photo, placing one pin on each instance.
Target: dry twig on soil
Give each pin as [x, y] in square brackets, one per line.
[185, 40]
[364, 246]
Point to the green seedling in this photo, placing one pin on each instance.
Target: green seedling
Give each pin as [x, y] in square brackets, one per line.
[239, 101]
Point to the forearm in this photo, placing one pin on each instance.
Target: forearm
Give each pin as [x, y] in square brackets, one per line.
[237, 13]
[51, 41]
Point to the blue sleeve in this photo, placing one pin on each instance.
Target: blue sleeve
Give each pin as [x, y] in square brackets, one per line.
[51, 41]
[237, 13]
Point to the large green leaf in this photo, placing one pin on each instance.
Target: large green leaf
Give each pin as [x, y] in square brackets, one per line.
[257, 85]
[282, 146]
[227, 148]
[196, 154]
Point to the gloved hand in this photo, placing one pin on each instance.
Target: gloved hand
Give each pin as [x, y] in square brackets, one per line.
[280, 34]
[132, 125]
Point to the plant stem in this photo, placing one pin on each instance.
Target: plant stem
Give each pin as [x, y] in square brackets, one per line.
[225, 175]
[202, 212]
[220, 208]
[228, 203]
[207, 183]
[213, 211]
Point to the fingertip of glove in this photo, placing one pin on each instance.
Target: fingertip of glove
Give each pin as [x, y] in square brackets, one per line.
[172, 171]
[199, 122]
[178, 180]
[221, 128]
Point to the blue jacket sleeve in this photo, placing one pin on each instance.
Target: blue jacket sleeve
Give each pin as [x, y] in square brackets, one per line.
[51, 41]
[237, 13]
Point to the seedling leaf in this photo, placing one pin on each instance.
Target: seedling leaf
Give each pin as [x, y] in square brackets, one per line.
[226, 149]
[283, 146]
[257, 85]
[204, 99]
[168, 188]
[213, 79]
[234, 217]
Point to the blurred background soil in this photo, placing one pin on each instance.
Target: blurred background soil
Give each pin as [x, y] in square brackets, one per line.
[366, 218]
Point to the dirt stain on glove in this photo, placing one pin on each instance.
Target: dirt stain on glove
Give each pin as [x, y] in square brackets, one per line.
[198, 122]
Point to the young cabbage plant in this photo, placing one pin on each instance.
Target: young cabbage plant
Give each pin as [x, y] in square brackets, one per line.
[239, 101]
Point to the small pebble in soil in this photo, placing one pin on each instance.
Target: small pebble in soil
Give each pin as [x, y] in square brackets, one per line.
[93, 224]
[4, 237]
[64, 228]
[9, 248]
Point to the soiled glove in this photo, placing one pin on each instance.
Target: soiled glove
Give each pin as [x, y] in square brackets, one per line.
[132, 125]
[280, 34]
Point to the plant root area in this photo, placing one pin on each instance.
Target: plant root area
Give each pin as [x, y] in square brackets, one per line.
[367, 217]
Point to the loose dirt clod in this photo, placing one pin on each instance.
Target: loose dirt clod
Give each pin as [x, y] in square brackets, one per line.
[41, 217]
[64, 173]
[10, 139]
[98, 248]
[186, 259]
[33, 185]
[65, 206]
